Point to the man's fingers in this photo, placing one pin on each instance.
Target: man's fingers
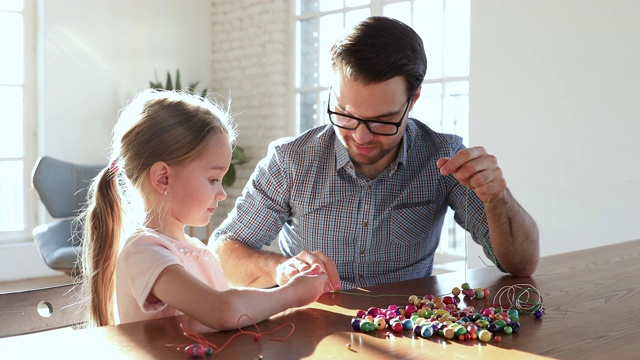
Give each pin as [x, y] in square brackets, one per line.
[453, 165]
[331, 269]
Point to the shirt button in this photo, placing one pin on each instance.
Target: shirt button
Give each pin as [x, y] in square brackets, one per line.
[361, 276]
[370, 187]
[362, 252]
[365, 224]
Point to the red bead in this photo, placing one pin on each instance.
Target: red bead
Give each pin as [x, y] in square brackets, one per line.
[397, 326]
[486, 292]
[448, 300]
[195, 350]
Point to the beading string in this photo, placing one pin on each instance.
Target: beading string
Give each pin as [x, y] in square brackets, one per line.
[523, 297]
[200, 339]
[485, 244]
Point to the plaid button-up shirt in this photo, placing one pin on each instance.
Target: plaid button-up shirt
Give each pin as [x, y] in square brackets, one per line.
[306, 194]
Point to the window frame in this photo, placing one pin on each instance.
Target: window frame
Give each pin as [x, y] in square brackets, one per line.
[32, 212]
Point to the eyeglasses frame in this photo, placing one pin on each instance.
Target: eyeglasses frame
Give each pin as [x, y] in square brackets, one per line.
[365, 121]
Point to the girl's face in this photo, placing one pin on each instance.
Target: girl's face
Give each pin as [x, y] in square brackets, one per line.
[195, 188]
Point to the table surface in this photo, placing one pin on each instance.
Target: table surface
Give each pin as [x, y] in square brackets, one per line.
[589, 296]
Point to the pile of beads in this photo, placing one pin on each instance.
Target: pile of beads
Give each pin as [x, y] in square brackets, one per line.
[467, 291]
[440, 315]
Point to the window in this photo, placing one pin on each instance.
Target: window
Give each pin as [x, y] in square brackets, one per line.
[444, 26]
[16, 147]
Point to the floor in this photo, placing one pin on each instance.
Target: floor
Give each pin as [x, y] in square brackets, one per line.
[13, 286]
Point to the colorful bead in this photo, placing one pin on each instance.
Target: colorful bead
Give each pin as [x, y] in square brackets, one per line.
[426, 332]
[355, 323]
[397, 326]
[367, 326]
[197, 350]
[538, 313]
[484, 335]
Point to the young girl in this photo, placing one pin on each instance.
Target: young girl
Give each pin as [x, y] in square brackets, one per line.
[170, 153]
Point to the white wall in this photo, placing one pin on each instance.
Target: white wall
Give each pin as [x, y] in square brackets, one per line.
[97, 54]
[555, 96]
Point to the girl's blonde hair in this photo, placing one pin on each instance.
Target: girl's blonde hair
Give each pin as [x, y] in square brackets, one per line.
[167, 126]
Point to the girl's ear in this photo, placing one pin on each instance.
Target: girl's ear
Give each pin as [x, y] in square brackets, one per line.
[159, 176]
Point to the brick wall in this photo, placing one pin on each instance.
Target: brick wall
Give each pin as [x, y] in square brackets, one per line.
[251, 55]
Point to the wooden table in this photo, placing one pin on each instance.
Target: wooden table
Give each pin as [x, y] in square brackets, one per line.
[590, 300]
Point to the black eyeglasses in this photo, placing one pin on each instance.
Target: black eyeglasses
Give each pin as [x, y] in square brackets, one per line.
[349, 122]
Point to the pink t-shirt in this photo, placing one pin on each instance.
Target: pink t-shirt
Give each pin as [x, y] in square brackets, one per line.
[143, 257]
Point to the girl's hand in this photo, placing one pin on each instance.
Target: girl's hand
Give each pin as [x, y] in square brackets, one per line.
[309, 284]
[303, 262]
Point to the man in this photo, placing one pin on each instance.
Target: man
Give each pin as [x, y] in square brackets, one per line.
[366, 196]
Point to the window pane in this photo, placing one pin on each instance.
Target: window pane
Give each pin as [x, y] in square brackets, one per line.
[307, 111]
[308, 53]
[11, 43]
[352, 3]
[11, 5]
[307, 6]
[12, 196]
[457, 38]
[456, 109]
[329, 5]
[331, 27]
[428, 108]
[400, 11]
[353, 17]
[428, 24]
[11, 109]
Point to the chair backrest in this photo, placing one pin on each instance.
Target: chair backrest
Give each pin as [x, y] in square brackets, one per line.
[62, 186]
[36, 310]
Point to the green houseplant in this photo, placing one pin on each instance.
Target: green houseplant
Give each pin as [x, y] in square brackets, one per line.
[237, 156]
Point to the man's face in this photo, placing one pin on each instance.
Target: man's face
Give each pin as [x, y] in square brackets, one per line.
[384, 102]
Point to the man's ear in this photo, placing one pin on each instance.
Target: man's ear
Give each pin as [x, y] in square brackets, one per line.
[159, 176]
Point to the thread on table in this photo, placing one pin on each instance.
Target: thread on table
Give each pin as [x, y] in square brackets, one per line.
[523, 297]
[200, 339]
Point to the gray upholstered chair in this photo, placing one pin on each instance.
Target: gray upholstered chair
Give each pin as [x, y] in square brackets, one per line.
[62, 188]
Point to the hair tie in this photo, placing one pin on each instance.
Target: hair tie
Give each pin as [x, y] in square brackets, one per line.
[113, 167]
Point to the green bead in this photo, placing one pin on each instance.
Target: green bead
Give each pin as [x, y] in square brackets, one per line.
[500, 323]
[367, 326]
[507, 329]
[461, 330]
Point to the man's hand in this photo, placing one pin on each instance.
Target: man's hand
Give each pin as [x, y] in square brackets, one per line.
[477, 170]
[303, 262]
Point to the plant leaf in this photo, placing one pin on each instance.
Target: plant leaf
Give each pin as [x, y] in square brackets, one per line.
[169, 82]
[178, 85]
[230, 176]
[237, 156]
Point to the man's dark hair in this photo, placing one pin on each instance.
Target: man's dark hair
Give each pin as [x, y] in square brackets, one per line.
[378, 49]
